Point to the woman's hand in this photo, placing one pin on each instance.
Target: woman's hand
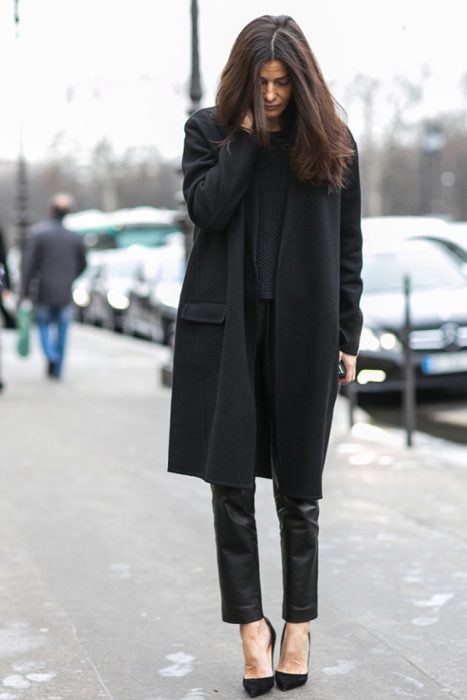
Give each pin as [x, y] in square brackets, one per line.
[247, 123]
[350, 362]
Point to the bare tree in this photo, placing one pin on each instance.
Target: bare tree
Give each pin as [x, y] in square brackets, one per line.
[365, 89]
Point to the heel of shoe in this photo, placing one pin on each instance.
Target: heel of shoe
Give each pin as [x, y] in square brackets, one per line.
[273, 639]
[289, 681]
[260, 686]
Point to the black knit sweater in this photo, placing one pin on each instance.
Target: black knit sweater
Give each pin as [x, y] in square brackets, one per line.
[272, 178]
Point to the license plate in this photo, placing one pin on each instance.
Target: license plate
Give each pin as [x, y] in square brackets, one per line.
[444, 363]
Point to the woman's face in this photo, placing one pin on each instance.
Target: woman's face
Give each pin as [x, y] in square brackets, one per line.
[276, 89]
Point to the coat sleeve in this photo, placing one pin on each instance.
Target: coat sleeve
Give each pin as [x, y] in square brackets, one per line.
[350, 315]
[215, 177]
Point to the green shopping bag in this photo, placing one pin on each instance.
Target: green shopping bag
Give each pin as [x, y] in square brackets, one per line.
[23, 324]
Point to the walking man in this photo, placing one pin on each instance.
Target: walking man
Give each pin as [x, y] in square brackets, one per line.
[55, 257]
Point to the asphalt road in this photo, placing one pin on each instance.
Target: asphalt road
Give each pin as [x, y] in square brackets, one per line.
[108, 587]
[442, 414]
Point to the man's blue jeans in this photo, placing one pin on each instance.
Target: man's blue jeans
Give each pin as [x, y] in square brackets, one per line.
[53, 322]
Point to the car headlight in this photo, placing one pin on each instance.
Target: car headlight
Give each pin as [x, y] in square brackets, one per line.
[118, 300]
[389, 341]
[168, 294]
[81, 297]
[370, 340]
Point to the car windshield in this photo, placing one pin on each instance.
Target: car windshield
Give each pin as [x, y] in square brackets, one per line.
[427, 265]
[457, 250]
[144, 236]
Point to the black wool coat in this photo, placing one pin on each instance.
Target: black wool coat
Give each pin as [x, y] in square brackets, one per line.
[213, 432]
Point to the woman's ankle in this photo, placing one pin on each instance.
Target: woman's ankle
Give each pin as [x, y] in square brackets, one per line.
[252, 628]
[297, 627]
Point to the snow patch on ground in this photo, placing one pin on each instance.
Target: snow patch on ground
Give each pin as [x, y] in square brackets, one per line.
[341, 668]
[182, 665]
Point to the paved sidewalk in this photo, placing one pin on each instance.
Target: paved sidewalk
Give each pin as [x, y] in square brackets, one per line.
[108, 584]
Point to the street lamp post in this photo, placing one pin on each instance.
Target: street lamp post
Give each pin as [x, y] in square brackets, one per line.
[22, 218]
[432, 144]
[196, 93]
[410, 395]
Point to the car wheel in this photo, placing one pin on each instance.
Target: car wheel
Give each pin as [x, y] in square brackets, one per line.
[127, 326]
[118, 321]
[168, 329]
[156, 333]
[107, 322]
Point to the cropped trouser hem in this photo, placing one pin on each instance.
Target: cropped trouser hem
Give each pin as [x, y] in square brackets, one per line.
[300, 615]
[241, 617]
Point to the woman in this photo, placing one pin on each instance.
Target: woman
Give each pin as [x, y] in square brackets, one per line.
[8, 320]
[269, 304]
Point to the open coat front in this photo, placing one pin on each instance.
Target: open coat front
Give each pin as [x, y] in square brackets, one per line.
[213, 432]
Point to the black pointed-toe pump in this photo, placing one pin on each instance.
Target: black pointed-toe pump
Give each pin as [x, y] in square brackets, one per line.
[288, 681]
[260, 686]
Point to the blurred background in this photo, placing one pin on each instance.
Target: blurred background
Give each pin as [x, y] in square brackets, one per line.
[105, 590]
[96, 95]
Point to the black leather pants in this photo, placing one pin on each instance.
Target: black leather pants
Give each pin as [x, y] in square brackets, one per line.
[235, 525]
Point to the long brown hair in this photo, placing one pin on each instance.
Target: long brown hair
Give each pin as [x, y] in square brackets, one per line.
[321, 147]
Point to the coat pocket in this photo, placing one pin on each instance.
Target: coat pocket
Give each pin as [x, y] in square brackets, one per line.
[204, 312]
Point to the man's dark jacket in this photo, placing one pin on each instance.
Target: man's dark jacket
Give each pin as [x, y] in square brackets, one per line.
[214, 432]
[54, 259]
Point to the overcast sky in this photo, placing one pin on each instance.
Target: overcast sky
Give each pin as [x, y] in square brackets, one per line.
[119, 69]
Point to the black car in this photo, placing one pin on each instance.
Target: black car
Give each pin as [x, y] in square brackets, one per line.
[438, 306]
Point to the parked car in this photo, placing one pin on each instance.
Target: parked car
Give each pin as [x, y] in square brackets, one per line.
[398, 228]
[83, 286]
[451, 235]
[101, 292]
[144, 226]
[454, 240]
[155, 292]
[168, 293]
[118, 288]
[438, 307]
[459, 232]
[109, 299]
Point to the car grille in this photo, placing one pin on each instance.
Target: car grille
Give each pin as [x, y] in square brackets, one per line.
[449, 335]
